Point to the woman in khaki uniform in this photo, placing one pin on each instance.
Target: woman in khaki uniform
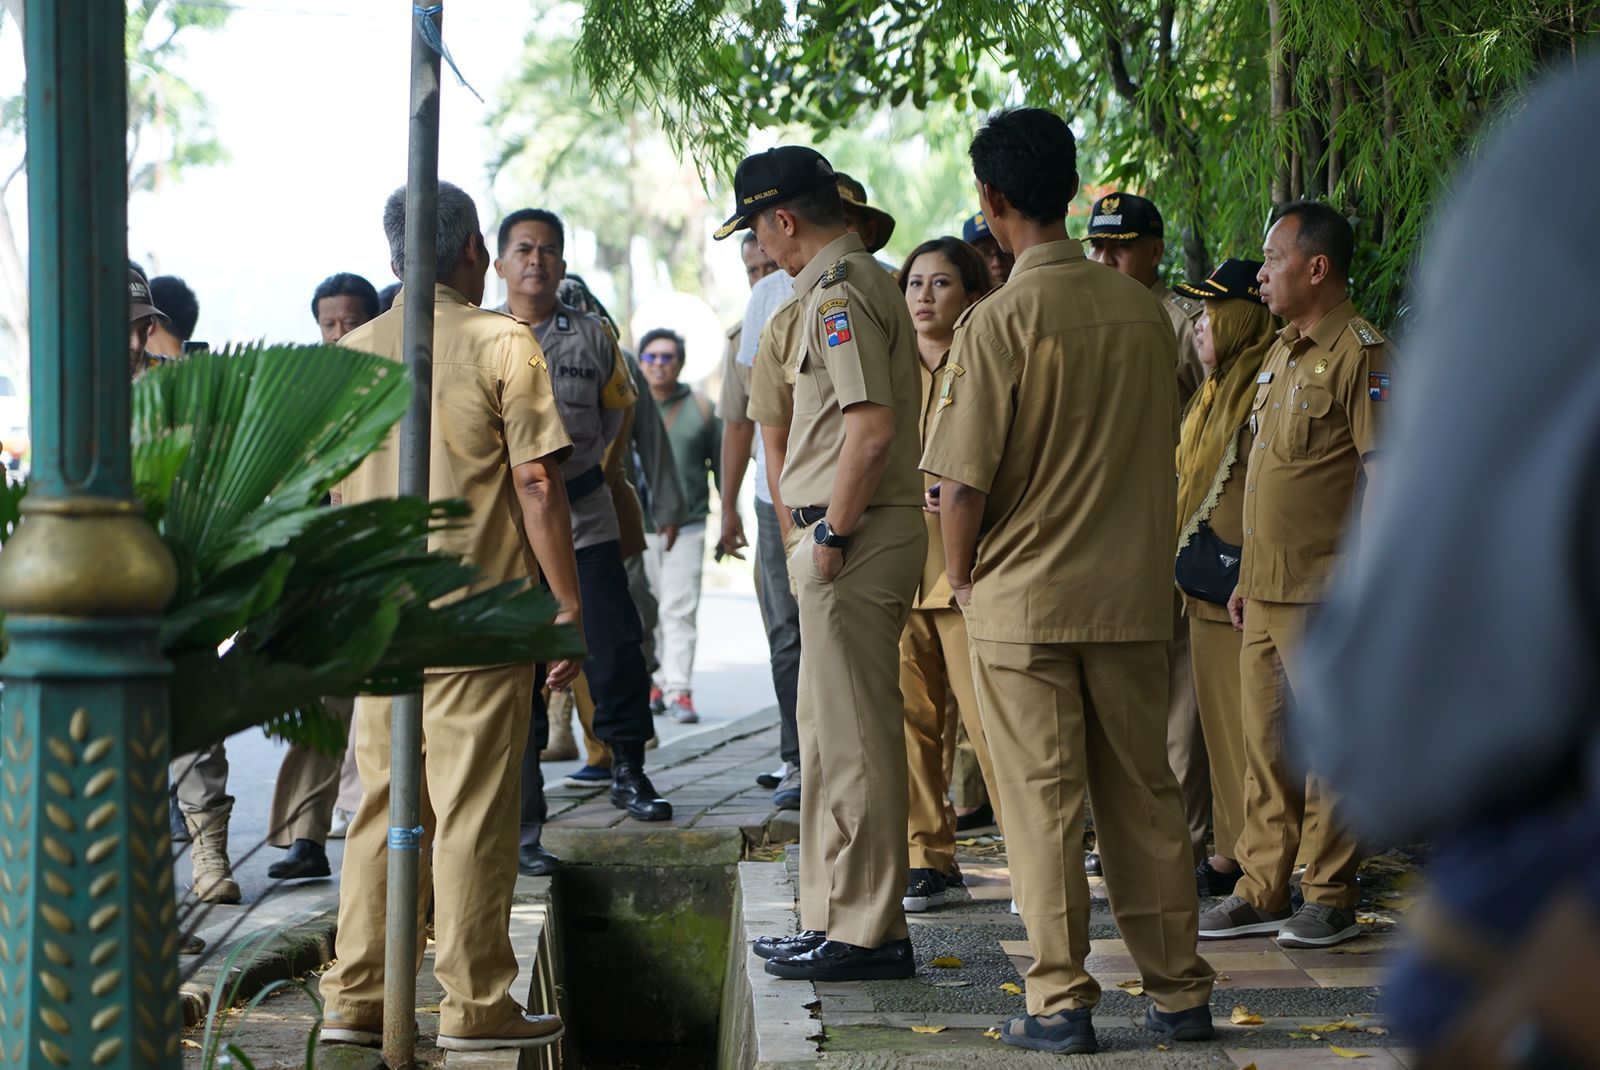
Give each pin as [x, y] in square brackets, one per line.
[1233, 337]
[941, 279]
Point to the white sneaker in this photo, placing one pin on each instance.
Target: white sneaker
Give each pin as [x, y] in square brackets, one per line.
[341, 824]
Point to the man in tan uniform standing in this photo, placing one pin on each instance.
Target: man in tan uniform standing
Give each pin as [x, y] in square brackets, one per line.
[850, 481]
[1054, 442]
[1319, 398]
[1126, 233]
[497, 442]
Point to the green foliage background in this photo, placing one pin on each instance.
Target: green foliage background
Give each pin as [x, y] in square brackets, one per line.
[1218, 109]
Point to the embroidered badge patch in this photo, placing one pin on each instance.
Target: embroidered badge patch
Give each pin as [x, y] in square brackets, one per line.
[1378, 386]
[837, 324]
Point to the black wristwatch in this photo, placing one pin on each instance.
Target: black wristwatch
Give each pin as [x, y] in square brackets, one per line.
[826, 536]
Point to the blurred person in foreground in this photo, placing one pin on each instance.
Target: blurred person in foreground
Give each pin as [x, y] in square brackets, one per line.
[1450, 684]
[1232, 335]
[497, 443]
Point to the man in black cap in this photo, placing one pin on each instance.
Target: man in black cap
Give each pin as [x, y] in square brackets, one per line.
[143, 315]
[1125, 233]
[850, 480]
[976, 233]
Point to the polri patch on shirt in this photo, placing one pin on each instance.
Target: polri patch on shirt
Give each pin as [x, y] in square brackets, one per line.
[1378, 386]
[837, 324]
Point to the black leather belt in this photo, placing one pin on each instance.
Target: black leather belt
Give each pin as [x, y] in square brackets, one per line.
[804, 518]
[585, 483]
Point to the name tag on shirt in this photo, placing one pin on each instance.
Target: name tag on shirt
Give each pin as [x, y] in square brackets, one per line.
[1264, 377]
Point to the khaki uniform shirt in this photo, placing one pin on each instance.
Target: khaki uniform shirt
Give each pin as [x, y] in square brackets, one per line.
[734, 397]
[1058, 402]
[1183, 311]
[1315, 416]
[858, 345]
[772, 375]
[593, 391]
[934, 590]
[493, 409]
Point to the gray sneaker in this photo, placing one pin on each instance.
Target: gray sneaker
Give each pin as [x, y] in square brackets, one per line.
[1315, 925]
[1235, 917]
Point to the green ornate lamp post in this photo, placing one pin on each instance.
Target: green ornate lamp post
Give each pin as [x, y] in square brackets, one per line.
[88, 958]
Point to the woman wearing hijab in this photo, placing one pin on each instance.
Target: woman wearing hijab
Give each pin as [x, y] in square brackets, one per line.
[1233, 337]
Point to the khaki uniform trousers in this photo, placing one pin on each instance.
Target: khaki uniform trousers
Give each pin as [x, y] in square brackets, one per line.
[561, 703]
[967, 788]
[308, 786]
[1061, 718]
[474, 728]
[1186, 745]
[1214, 653]
[936, 668]
[1284, 813]
[852, 740]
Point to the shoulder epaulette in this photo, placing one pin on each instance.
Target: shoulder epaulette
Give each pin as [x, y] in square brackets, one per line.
[834, 275]
[1187, 305]
[1366, 333]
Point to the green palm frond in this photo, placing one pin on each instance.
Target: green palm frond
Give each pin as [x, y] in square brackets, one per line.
[234, 453]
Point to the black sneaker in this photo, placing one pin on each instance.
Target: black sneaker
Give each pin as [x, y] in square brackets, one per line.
[1192, 1024]
[925, 888]
[1209, 882]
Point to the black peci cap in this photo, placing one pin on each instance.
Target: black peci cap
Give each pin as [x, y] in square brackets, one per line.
[771, 177]
[1123, 217]
[1232, 279]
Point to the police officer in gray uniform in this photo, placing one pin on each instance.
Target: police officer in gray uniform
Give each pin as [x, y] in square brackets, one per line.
[593, 391]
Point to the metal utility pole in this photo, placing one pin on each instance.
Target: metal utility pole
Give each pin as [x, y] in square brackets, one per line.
[422, 225]
[88, 940]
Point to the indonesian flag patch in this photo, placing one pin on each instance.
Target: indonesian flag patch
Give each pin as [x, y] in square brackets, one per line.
[837, 324]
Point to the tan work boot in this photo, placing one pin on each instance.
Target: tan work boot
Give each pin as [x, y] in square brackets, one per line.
[563, 747]
[213, 873]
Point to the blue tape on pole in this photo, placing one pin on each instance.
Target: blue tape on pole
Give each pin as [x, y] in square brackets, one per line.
[430, 33]
[402, 839]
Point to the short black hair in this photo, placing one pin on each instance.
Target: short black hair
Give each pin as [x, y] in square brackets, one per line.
[665, 332]
[346, 284]
[531, 215]
[1030, 155]
[386, 297]
[821, 207]
[748, 240]
[1324, 231]
[173, 296]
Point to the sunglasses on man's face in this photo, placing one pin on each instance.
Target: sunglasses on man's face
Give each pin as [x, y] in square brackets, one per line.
[658, 358]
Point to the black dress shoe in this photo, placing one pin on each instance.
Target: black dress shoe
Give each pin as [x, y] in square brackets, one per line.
[632, 791]
[777, 947]
[306, 858]
[1091, 864]
[834, 960]
[981, 818]
[535, 861]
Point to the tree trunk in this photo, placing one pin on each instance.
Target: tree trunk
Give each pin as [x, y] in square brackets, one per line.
[1196, 257]
[1279, 75]
[1336, 103]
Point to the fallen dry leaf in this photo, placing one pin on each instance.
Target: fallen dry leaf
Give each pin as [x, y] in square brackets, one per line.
[1368, 919]
[190, 1043]
[1161, 1047]
[946, 962]
[1135, 983]
[1221, 977]
[1242, 1015]
[1133, 988]
[1376, 1030]
[1012, 987]
[1347, 1053]
[952, 984]
[432, 1008]
[1300, 1034]
[928, 1029]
